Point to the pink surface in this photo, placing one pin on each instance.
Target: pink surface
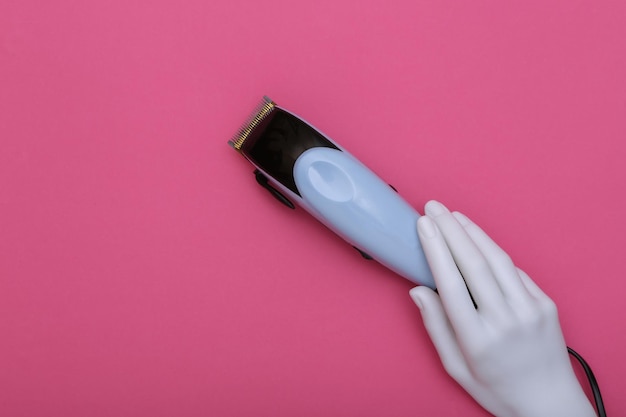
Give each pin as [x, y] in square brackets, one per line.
[144, 273]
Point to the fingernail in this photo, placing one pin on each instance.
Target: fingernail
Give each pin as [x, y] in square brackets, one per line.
[435, 208]
[426, 227]
[461, 218]
[414, 293]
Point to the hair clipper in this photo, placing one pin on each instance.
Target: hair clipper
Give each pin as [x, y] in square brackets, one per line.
[298, 164]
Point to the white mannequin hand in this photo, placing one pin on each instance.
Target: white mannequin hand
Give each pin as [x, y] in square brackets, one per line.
[508, 353]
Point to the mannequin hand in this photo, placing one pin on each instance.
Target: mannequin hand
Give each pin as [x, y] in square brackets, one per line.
[508, 353]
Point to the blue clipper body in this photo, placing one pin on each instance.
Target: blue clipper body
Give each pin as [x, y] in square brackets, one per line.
[297, 163]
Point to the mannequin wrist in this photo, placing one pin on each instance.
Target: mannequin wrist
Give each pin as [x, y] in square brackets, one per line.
[566, 400]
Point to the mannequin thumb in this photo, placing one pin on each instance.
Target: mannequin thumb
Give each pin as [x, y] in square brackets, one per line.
[421, 296]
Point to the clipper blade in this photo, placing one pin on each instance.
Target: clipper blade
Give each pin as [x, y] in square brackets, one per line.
[262, 110]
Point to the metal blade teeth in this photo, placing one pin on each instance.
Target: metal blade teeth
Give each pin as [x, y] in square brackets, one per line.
[263, 109]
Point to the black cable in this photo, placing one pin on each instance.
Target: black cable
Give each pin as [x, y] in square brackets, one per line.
[595, 389]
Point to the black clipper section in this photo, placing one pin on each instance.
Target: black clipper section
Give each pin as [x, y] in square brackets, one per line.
[263, 182]
[278, 141]
[363, 254]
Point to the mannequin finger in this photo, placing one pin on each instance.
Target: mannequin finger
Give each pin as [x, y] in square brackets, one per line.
[450, 285]
[469, 259]
[441, 332]
[504, 271]
[532, 287]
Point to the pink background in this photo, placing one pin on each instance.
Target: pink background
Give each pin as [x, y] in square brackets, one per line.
[144, 273]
